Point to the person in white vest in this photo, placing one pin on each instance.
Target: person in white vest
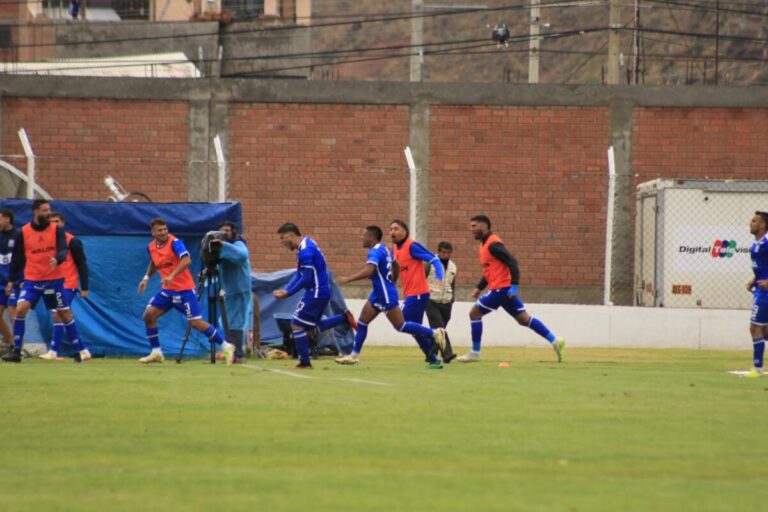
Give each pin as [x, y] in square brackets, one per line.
[442, 294]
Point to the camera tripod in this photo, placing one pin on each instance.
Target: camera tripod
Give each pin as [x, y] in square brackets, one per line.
[215, 300]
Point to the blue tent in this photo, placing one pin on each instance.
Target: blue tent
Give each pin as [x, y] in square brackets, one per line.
[115, 237]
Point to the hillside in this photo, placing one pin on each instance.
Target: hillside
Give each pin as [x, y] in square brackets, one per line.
[668, 56]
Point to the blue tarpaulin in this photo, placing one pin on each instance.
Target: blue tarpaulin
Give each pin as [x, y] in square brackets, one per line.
[115, 237]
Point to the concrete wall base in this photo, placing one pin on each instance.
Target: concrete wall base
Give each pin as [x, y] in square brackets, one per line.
[591, 327]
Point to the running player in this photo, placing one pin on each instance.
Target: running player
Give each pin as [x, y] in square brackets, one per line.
[502, 277]
[311, 276]
[170, 258]
[409, 267]
[383, 299]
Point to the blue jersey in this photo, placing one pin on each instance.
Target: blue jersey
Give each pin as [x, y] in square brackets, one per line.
[312, 271]
[758, 251]
[7, 243]
[380, 256]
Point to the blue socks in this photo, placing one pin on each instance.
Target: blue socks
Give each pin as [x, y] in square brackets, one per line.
[213, 335]
[477, 334]
[302, 346]
[541, 329]
[362, 333]
[153, 336]
[57, 336]
[415, 329]
[333, 321]
[758, 348]
[19, 324]
[423, 336]
[71, 329]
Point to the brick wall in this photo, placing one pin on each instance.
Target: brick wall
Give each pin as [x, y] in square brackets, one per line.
[331, 169]
[717, 143]
[538, 173]
[143, 144]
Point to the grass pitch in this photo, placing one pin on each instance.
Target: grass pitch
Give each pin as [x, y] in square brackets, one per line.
[608, 430]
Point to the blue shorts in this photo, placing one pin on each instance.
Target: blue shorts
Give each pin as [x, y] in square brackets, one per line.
[414, 307]
[759, 309]
[9, 300]
[380, 304]
[309, 310]
[492, 299]
[51, 291]
[184, 301]
[68, 295]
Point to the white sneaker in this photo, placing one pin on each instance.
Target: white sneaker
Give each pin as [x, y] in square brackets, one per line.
[469, 357]
[440, 338]
[153, 357]
[228, 350]
[559, 346]
[51, 356]
[350, 359]
[85, 355]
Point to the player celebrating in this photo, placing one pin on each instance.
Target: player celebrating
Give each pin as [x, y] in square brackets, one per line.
[383, 299]
[409, 257]
[170, 258]
[502, 277]
[40, 250]
[311, 276]
[75, 269]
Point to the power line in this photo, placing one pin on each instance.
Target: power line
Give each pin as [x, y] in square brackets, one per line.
[704, 7]
[521, 38]
[408, 16]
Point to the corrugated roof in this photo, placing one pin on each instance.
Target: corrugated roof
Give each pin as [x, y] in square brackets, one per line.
[158, 65]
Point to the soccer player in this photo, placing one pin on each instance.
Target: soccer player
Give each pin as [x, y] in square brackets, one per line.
[40, 250]
[502, 277]
[409, 258]
[311, 276]
[8, 235]
[75, 269]
[758, 285]
[383, 299]
[170, 258]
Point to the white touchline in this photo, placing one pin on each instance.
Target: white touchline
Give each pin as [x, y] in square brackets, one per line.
[304, 376]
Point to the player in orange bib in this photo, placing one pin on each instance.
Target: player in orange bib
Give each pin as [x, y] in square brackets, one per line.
[39, 252]
[75, 269]
[501, 276]
[170, 258]
[410, 257]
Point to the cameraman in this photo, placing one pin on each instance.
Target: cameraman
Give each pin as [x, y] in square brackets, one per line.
[235, 275]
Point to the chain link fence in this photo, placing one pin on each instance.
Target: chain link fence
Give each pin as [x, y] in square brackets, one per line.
[692, 241]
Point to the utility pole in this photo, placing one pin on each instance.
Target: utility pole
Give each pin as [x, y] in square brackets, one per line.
[638, 42]
[533, 48]
[614, 41]
[717, 43]
[417, 39]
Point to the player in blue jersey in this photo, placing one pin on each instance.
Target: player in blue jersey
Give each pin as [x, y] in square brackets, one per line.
[383, 299]
[311, 276]
[8, 235]
[758, 285]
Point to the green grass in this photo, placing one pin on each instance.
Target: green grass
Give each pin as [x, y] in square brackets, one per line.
[608, 430]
